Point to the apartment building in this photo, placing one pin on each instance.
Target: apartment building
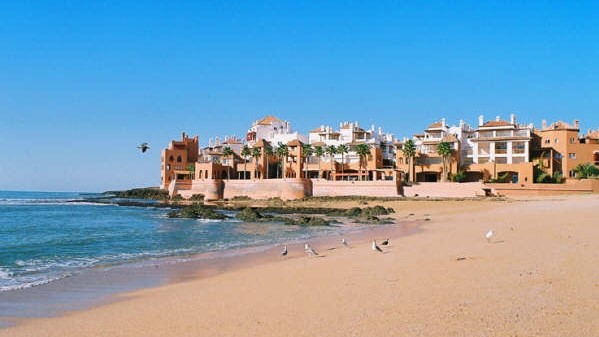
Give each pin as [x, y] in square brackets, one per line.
[346, 163]
[177, 159]
[563, 148]
[496, 149]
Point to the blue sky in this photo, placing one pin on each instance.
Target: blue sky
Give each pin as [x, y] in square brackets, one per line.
[82, 83]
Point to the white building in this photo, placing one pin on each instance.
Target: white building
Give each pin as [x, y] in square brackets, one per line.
[273, 130]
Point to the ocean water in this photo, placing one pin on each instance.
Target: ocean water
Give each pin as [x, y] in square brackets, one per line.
[47, 236]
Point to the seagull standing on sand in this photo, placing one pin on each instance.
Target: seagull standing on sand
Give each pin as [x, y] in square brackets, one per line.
[489, 235]
[375, 247]
[309, 250]
[385, 242]
[284, 252]
[344, 242]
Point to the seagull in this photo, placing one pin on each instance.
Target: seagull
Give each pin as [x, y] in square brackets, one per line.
[489, 235]
[385, 242]
[143, 147]
[375, 247]
[284, 252]
[344, 242]
[309, 250]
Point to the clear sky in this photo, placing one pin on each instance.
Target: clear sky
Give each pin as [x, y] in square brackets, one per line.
[82, 83]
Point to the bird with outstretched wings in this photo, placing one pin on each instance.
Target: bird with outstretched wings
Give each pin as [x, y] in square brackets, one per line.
[144, 147]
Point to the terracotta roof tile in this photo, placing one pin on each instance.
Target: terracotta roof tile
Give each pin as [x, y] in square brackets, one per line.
[268, 120]
[497, 123]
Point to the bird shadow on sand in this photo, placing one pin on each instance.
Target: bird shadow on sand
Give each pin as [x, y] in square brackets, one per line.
[496, 242]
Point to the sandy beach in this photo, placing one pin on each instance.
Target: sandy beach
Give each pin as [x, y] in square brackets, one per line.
[538, 276]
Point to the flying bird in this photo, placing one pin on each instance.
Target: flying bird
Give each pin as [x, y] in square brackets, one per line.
[284, 252]
[385, 242]
[309, 250]
[144, 147]
[489, 235]
[344, 242]
[375, 247]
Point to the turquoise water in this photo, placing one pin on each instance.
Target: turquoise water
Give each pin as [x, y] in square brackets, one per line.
[47, 236]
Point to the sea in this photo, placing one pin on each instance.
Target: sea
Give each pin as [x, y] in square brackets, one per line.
[49, 240]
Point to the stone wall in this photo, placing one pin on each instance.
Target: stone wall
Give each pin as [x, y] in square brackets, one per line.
[287, 189]
[378, 188]
[211, 189]
[444, 190]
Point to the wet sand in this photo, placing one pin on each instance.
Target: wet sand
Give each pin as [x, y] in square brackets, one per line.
[537, 277]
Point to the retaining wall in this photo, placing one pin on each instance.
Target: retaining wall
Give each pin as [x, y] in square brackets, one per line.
[444, 190]
[571, 186]
[287, 189]
[378, 188]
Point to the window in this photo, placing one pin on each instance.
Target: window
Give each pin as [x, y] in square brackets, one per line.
[572, 155]
[547, 141]
[501, 148]
[179, 159]
[572, 174]
[555, 141]
[518, 148]
[572, 140]
[171, 158]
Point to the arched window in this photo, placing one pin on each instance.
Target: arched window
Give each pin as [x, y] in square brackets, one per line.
[179, 159]
[171, 158]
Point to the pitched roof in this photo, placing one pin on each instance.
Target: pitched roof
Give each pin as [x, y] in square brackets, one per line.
[497, 123]
[435, 125]
[449, 139]
[294, 142]
[268, 120]
[261, 143]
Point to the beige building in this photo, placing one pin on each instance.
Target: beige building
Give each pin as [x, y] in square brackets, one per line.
[496, 150]
[178, 160]
[563, 148]
[347, 164]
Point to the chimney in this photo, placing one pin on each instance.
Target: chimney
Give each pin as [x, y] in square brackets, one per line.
[443, 123]
[543, 124]
[497, 118]
[577, 124]
[481, 119]
[461, 123]
[513, 119]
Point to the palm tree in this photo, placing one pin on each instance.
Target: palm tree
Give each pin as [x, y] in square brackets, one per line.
[307, 151]
[342, 150]
[331, 150]
[268, 152]
[282, 152]
[256, 153]
[318, 152]
[227, 152]
[362, 150]
[245, 152]
[585, 171]
[409, 151]
[192, 170]
[444, 150]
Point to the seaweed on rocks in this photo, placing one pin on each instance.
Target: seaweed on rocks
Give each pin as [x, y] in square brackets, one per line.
[197, 211]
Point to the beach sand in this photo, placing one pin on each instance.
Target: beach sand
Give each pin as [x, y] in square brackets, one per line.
[539, 276]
